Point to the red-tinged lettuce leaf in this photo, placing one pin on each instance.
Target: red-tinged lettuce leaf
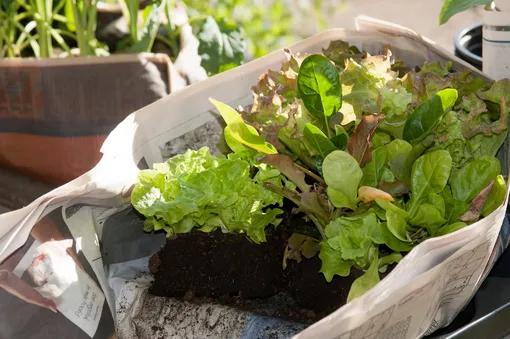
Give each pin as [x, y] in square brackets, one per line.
[477, 122]
[423, 85]
[475, 209]
[359, 142]
[433, 77]
[465, 83]
[282, 82]
[309, 199]
[498, 89]
[339, 51]
[437, 68]
[298, 246]
[292, 171]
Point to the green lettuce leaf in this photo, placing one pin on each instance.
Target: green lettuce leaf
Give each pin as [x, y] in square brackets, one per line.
[364, 283]
[354, 236]
[360, 90]
[339, 51]
[197, 189]
[332, 262]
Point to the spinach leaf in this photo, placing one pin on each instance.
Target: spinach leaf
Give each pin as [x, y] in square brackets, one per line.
[438, 202]
[447, 229]
[428, 114]
[473, 177]
[454, 208]
[388, 206]
[393, 242]
[318, 140]
[496, 197]
[342, 175]
[397, 225]
[373, 171]
[395, 188]
[430, 174]
[332, 262]
[380, 139]
[397, 146]
[341, 137]
[364, 283]
[427, 216]
[240, 131]
[402, 163]
[319, 86]
[340, 141]
[388, 177]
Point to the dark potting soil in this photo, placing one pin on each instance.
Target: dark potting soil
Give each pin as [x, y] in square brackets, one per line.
[231, 270]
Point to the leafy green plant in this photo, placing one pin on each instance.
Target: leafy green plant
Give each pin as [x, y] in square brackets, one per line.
[143, 28]
[82, 20]
[11, 42]
[38, 32]
[420, 169]
[267, 25]
[452, 7]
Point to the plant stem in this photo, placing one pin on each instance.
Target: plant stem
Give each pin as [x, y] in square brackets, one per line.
[91, 25]
[43, 23]
[318, 225]
[311, 174]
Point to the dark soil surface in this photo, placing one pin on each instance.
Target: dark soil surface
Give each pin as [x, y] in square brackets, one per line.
[230, 269]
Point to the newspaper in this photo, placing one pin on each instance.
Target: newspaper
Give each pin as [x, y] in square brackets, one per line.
[74, 263]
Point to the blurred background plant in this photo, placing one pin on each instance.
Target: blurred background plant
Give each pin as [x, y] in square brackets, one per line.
[228, 31]
[270, 24]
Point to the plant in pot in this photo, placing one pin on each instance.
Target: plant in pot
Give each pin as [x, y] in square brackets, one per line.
[343, 163]
[64, 91]
[94, 94]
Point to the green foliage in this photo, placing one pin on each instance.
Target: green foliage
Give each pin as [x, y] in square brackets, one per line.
[452, 7]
